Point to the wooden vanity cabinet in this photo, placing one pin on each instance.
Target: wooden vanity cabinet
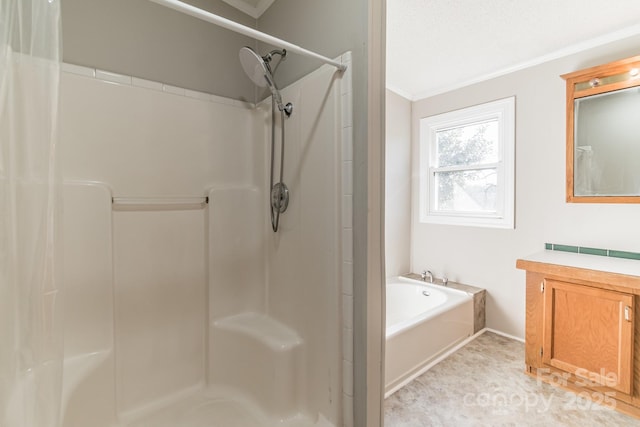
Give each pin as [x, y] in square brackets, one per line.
[588, 332]
[582, 330]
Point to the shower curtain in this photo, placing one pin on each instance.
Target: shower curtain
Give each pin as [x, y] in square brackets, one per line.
[30, 330]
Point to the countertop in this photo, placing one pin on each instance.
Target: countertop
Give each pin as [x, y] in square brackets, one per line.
[627, 267]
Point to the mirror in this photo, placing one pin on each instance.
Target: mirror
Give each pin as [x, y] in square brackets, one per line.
[603, 133]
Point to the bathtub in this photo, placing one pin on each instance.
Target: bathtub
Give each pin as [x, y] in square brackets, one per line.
[423, 322]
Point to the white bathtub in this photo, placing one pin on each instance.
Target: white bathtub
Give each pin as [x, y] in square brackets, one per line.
[423, 322]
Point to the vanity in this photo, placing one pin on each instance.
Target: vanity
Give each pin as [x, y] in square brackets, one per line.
[583, 325]
[582, 329]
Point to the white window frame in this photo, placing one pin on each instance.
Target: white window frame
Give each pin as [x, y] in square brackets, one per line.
[504, 111]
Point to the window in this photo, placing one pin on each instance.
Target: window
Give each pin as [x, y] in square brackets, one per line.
[467, 166]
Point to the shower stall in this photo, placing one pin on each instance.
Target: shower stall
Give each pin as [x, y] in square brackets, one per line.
[181, 304]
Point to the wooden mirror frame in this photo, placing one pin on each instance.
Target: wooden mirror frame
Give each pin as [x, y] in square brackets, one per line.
[592, 81]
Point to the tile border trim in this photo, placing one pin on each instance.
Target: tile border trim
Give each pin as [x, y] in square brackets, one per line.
[126, 80]
[612, 253]
[345, 153]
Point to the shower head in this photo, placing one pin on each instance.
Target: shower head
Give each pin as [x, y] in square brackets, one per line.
[259, 71]
[254, 66]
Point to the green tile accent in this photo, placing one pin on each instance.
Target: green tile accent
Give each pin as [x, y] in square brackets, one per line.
[622, 254]
[565, 248]
[593, 251]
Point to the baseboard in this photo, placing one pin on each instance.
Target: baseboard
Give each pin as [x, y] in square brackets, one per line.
[513, 337]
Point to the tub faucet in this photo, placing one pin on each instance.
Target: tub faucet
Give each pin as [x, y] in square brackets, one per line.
[445, 281]
[425, 274]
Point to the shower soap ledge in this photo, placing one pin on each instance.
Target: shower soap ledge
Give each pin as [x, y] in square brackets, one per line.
[263, 328]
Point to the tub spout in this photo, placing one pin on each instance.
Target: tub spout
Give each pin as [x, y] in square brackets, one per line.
[425, 274]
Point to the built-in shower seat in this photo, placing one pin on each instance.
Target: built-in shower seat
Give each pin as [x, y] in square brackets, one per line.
[259, 355]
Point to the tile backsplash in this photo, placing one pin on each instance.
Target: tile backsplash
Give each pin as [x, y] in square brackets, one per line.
[592, 251]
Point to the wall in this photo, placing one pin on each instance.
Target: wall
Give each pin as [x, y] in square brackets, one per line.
[486, 257]
[397, 184]
[331, 28]
[147, 40]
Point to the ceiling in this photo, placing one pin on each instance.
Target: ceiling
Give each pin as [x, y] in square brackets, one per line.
[438, 45]
[253, 8]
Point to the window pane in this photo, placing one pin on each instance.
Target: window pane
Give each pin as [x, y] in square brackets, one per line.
[466, 191]
[470, 144]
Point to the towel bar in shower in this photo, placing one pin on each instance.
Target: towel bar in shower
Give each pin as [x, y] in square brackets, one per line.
[158, 203]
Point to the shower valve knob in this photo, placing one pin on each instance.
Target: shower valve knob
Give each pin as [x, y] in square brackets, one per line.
[288, 109]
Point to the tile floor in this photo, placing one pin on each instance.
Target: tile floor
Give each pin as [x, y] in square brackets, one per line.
[483, 384]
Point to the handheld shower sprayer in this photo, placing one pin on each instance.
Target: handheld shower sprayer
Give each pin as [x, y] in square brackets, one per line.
[259, 70]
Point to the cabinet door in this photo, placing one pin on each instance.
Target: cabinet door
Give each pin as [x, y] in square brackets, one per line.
[589, 332]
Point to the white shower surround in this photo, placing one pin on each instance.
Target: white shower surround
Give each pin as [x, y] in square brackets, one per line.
[142, 301]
